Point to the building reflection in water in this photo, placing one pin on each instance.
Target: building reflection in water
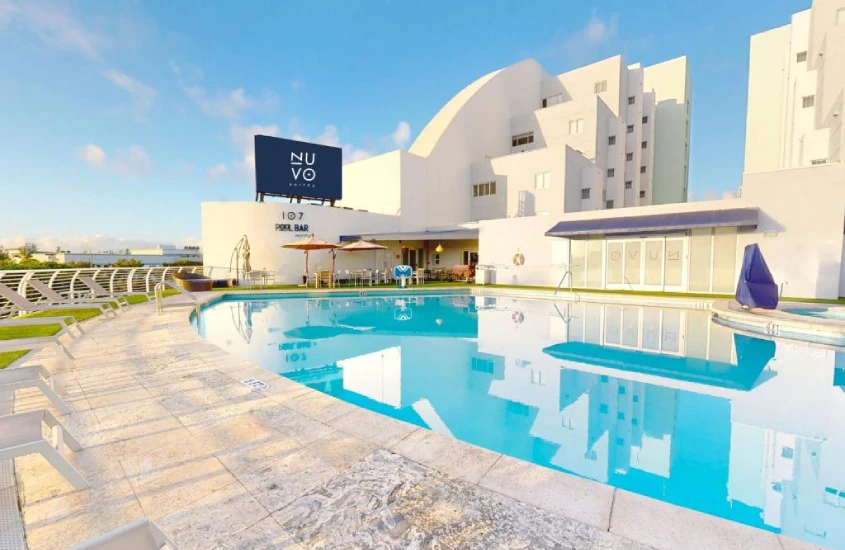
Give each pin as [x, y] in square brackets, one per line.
[662, 402]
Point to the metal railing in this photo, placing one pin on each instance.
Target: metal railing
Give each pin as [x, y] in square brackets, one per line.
[114, 279]
[159, 296]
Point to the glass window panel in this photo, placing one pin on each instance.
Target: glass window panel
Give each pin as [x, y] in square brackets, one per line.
[631, 327]
[653, 262]
[577, 261]
[595, 257]
[674, 268]
[724, 259]
[614, 262]
[699, 260]
[592, 323]
[698, 327]
[612, 324]
[671, 336]
[651, 329]
[633, 258]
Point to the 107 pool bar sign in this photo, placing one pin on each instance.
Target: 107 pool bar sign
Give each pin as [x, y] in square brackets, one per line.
[293, 217]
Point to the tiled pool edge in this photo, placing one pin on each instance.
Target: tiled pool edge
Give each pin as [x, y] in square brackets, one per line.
[619, 512]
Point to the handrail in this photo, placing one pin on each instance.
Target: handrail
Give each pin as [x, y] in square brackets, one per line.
[565, 273]
[159, 296]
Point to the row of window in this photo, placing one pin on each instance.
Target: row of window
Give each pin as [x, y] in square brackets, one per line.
[585, 194]
[808, 101]
[483, 189]
[522, 139]
[612, 171]
[611, 140]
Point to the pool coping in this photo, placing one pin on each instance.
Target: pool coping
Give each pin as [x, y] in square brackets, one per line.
[780, 323]
[642, 519]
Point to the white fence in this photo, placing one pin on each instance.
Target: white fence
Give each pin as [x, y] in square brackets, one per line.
[116, 279]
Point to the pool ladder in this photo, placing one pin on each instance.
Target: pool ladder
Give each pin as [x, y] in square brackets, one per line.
[159, 296]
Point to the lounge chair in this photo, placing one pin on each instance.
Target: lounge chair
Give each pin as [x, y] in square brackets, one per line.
[21, 304]
[21, 435]
[35, 376]
[56, 298]
[99, 291]
[66, 321]
[45, 342]
[138, 535]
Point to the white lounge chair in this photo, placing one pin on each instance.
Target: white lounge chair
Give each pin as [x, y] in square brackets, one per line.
[21, 304]
[21, 435]
[98, 291]
[66, 321]
[45, 342]
[138, 535]
[36, 376]
[56, 298]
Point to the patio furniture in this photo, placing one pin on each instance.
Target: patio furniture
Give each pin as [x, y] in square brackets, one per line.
[367, 277]
[35, 376]
[21, 435]
[120, 297]
[56, 298]
[46, 342]
[325, 277]
[308, 244]
[66, 322]
[463, 272]
[21, 304]
[419, 276]
[138, 535]
[193, 282]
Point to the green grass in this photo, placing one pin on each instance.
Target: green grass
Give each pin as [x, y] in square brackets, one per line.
[78, 314]
[9, 357]
[29, 331]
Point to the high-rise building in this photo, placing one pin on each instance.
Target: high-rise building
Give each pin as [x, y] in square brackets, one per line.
[796, 78]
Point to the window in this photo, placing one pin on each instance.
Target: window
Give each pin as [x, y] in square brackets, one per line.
[816, 162]
[611, 140]
[644, 145]
[437, 259]
[484, 189]
[800, 57]
[470, 257]
[631, 100]
[585, 194]
[575, 126]
[642, 194]
[609, 204]
[544, 103]
[629, 184]
[482, 365]
[602, 408]
[630, 128]
[808, 101]
[522, 139]
[787, 452]
[600, 86]
[542, 180]
[645, 120]
[629, 156]
[642, 169]
[611, 172]
[552, 100]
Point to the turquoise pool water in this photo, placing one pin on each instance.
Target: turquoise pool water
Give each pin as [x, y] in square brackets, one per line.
[662, 402]
[837, 314]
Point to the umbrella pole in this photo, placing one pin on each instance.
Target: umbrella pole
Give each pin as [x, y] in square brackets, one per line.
[306, 269]
[334, 255]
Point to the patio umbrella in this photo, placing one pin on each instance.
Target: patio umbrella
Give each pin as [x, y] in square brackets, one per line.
[363, 245]
[308, 244]
[245, 252]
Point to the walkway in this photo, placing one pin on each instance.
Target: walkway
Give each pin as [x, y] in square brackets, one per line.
[171, 432]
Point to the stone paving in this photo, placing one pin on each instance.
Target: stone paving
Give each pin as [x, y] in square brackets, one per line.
[170, 432]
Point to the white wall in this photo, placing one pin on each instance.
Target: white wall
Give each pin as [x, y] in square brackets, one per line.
[224, 223]
[803, 211]
[500, 240]
[374, 184]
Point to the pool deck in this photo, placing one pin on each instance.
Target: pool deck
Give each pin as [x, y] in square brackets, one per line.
[170, 432]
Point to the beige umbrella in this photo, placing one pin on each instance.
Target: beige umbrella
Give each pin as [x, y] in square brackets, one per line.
[308, 244]
[245, 251]
[360, 245]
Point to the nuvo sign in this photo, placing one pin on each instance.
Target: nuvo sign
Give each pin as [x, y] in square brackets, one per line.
[298, 169]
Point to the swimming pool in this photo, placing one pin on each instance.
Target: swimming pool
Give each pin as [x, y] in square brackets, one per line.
[662, 402]
[837, 314]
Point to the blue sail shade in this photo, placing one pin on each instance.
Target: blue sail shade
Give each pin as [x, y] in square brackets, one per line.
[657, 223]
[756, 286]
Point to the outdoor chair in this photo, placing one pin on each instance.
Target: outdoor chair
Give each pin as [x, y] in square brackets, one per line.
[36, 376]
[44, 342]
[138, 535]
[21, 435]
[98, 291]
[419, 275]
[324, 277]
[21, 304]
[54, 297]
[367, 277]
[66, 321]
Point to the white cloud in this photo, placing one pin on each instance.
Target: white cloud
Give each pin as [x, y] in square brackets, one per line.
[728, 195]
[54, 25]
[330, 137]
[244, 138]
[142, 95]
[402, 134]
[134, 162]
[227, 105]
[218, 171]
[596, 34]
[87, 243]
[93, 155]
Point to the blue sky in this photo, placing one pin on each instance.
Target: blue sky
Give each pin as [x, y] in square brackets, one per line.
[119, 118]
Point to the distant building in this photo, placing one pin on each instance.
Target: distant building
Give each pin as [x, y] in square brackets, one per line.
[157, 256]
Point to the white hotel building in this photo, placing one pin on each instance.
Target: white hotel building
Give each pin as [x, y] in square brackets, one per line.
[587, 172]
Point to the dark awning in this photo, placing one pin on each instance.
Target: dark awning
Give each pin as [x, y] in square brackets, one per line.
[445, 235]
[656, 223]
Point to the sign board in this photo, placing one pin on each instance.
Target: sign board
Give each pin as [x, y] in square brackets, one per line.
[255, 384]
[289, 168]
[403, 272]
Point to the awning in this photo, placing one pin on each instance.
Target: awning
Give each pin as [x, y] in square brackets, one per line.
[449, 235]
[657, 223]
